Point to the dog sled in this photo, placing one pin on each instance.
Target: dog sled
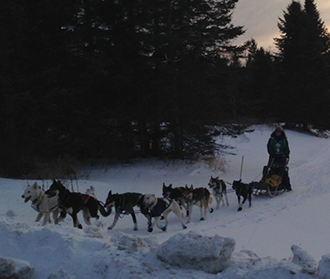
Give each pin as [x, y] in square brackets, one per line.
[272, 182]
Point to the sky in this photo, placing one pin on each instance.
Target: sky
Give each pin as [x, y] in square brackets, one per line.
[279, 237]
[260, 18]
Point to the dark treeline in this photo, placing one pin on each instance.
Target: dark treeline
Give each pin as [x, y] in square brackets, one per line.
[119, 79]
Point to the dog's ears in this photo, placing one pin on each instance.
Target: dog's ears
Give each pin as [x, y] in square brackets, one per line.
[170, 186]
[35, 185]
[192, 187]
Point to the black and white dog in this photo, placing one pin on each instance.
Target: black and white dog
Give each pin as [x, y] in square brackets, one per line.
[161, 207]
[244, 190]
[74, 202]
[177, 194]
[200, 197]
[219, 189]
[124, 204]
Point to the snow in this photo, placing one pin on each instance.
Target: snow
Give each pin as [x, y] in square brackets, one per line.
[282, 237]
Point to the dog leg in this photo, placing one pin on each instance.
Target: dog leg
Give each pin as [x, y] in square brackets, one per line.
[185, 206]
[201, 209]
[190, 212]
[76, 223]
[155, 222]
[114, 221]
[39, 216]
[146, 214]
[165, 213]
[46, 218]
[225, 193]
[55, 215]
[61, 218]
[134, 220]
[218, 200]
[178, 212]
[239, 203]
[87, 216]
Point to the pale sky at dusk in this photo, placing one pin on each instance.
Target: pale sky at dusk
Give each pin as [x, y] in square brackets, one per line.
[260, 18]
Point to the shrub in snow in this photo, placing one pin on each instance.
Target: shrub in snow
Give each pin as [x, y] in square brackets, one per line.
[97, 229]
[61, 274]
[324, 267]
[131, 243]
[194, 251]
[10, 213]
[15, 269]
[304, 259]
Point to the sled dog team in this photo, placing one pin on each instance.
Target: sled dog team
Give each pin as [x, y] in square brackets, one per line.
[59, 201]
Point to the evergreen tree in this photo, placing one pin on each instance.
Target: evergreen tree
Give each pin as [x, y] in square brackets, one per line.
[304, 80]
[261, 82]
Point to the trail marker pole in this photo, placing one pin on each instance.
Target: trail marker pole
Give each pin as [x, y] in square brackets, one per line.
[240, 176]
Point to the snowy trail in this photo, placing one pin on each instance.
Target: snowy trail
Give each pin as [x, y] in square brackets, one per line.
[269, 228]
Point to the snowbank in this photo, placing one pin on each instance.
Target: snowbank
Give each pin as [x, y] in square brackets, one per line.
[193, 251]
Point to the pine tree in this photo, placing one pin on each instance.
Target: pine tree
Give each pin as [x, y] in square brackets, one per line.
[304, 80]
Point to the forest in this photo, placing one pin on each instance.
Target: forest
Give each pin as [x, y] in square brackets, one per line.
[91, 80]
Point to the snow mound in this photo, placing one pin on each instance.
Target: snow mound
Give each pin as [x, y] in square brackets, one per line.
[324, 267]
[10, 268]
[304, 259]
[194, 251]
[97, 229]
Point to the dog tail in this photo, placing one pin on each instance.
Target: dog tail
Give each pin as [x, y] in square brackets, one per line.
[103, 211]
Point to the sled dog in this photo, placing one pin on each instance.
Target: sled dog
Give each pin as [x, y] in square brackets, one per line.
[41, 202]
[244, 190]
[123, 204]
[161, 206]
[200, 197]
[74, 202]
[219, 189]
[175, 193]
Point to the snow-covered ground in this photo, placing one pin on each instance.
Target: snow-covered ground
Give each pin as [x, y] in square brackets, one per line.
[274, 238]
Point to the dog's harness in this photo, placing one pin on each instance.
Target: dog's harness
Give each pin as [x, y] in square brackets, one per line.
[121, 206]
[66, 197]
[159, 206]
[217, 188]
[36, 204]
[85, 197]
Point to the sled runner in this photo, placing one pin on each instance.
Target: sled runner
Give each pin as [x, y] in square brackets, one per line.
[272, 180]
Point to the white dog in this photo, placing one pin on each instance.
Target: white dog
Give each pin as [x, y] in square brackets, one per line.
[158, 207]
[43, 204]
